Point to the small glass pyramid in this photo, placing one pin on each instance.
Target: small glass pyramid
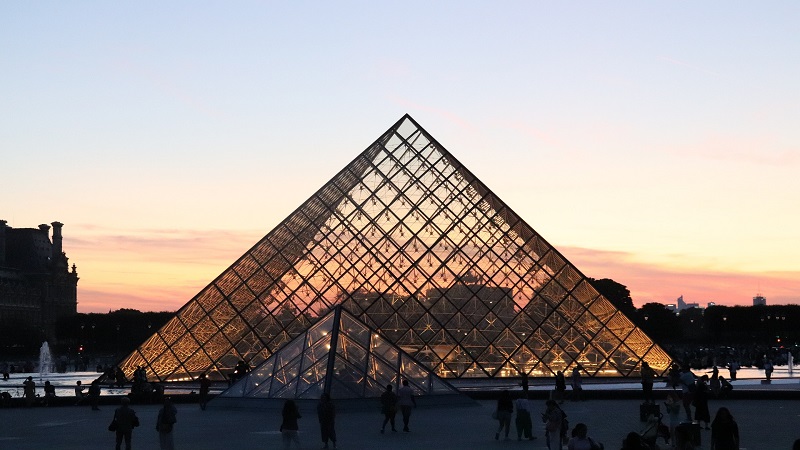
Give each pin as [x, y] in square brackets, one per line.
[343, 354]
[412, 244]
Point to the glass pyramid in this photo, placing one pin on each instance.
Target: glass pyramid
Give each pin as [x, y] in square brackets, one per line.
[412, 244]
[341, 355]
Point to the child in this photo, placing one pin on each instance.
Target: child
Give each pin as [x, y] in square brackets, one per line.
[673, 405]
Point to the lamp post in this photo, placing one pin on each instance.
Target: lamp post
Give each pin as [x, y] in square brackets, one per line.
[724, 329]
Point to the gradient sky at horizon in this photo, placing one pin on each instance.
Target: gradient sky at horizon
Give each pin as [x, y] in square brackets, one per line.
[654, 144]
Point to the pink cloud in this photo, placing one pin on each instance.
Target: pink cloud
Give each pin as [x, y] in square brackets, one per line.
[651, 283]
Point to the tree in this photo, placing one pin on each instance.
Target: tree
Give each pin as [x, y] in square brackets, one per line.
[659, 323]
[618, 294]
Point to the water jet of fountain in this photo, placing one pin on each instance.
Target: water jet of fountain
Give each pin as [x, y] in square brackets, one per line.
[45, 360]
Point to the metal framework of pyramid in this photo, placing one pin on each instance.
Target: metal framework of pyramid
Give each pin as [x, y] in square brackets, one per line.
[411, 243]
[341, 356]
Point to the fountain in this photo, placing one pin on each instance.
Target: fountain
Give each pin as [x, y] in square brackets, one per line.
[45, 360]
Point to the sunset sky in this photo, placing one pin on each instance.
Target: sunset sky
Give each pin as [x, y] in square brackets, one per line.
[657, 144]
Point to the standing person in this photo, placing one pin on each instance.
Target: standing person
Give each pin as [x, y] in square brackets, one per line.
[674, 376]
[405, 398]
[119, 377]
[580, 439]
[552, 418]
[714, 384]
[388, 407]
[126, 420]
[167, 417]
[648, 376]
[768, 368]
[94, 395]
[724, 431]
[724, 387]
[523, 422]
[505, 409]
[326, 413]
[673, 407]
[687, 390]
[29, 391]
[701, 413]
[733, 366]
[561, 386]
[205, 386]
[577, 384]
[289, 425]
[524, 384]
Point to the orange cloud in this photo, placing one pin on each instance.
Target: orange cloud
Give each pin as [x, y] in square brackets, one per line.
[161, 270]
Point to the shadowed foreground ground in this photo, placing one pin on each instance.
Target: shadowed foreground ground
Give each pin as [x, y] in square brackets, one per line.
[764, 425]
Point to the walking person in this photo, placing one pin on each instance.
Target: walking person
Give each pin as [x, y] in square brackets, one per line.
[388, 407]
[326, 413]
[289, 427]
[724, 431]
[405, 398]
[523, 421]
[167, 418]
[123, 423]
[648, 376]
[205, 386]
[687, 390]
[505, 408]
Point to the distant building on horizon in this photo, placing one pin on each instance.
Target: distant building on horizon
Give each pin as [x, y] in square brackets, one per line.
[759, 300]
[683, 305]
[37, 286]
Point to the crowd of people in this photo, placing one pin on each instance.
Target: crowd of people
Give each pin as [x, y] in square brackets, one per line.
[687, 413]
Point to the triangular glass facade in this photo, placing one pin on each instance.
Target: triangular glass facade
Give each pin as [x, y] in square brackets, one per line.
[411, 243]
[341, 355]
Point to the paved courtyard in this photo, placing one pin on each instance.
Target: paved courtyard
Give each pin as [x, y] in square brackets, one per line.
[764, 424]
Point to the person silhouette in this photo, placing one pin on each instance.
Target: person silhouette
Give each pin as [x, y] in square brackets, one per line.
[326, 413]
[289, 427]
[388, 407]
[406, 401]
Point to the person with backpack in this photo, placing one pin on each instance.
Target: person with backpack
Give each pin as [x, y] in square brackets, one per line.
[581, 441]
[167, 417]
[123, 423]
[555, 425]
